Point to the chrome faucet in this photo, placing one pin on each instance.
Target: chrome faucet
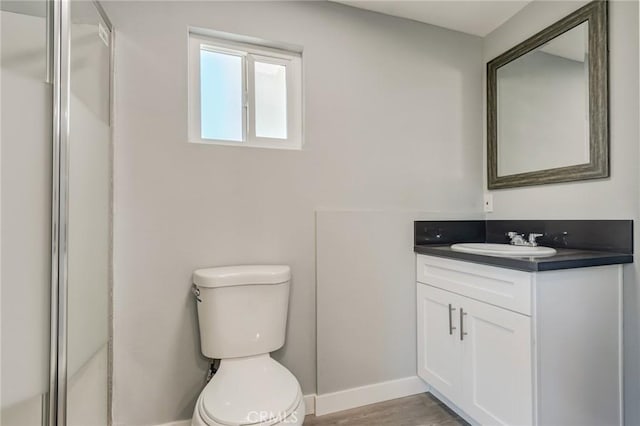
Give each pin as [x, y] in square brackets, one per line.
[532, 239]
[518, 239]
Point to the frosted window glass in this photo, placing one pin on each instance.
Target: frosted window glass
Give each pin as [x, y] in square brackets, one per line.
[220, 96]
[271, 100]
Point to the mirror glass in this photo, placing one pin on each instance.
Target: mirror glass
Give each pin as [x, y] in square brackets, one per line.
[543, 106]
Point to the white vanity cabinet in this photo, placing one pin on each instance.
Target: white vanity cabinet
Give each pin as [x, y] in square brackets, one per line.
[507, 347]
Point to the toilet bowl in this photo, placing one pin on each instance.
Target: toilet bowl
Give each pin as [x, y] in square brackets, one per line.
[242, 313]
[250, 391]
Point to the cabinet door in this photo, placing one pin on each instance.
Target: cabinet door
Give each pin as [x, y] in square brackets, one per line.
[497, 370]
[439, 350]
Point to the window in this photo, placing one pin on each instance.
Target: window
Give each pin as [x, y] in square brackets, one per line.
[242, 93]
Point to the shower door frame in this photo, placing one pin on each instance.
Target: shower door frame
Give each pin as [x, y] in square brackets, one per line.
[59, 72]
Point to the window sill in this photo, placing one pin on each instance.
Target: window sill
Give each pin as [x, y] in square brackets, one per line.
[290, 145]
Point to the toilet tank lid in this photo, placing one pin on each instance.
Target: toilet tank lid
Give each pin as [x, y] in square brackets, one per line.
[227, 276]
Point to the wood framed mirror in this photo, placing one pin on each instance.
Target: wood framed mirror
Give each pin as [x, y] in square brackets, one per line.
[548, 104]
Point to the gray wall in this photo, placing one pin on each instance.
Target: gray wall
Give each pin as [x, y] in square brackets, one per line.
[613, 198]
[366, 296]
[393, 122]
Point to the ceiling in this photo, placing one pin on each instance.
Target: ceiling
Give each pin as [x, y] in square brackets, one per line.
[477, 17]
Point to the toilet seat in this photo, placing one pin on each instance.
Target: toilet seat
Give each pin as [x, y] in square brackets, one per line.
[249, 391]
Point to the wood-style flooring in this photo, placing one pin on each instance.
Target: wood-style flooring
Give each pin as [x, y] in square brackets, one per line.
[417, 410]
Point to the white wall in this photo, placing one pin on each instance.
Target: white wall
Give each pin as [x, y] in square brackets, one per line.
[392, 123]
[612, 198]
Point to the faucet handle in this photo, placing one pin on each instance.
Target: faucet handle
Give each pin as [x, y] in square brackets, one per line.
[532, 238]
[516, 239]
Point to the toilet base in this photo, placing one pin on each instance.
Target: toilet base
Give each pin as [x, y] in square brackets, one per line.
[296, 418]
[254, 390]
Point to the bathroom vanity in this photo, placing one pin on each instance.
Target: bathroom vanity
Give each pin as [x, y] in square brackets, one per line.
[523, 340]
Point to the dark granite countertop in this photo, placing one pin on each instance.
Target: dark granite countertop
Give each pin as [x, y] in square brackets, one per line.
[563, 259]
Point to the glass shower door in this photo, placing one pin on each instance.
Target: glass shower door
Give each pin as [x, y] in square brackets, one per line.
[89, 217]
[55, 213]
[26, 188]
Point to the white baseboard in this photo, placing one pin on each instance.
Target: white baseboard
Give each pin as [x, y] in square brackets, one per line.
[310, 404]
[370, 394]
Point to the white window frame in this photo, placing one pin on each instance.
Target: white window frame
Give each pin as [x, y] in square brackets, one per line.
[250, 52]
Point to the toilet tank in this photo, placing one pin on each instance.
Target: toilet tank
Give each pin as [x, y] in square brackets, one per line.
[242, 310]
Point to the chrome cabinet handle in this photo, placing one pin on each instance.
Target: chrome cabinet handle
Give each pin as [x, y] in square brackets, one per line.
[451, 327]
[462, 332]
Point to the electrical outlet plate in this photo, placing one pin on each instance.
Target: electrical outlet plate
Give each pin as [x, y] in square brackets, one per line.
[488, 202]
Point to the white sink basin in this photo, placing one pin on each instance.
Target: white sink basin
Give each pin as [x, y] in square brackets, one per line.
[508, 250]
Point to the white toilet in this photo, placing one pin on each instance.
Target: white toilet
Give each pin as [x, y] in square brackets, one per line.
[242, 311]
